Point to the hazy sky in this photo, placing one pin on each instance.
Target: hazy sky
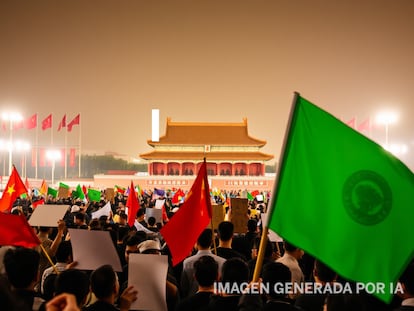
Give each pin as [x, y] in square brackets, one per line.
[209, 61]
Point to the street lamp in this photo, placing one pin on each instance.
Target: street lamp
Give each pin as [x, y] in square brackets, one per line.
[386, 118]
[53, 155]
[11, 117]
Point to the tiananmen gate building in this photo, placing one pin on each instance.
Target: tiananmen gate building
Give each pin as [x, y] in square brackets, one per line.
[228, 148]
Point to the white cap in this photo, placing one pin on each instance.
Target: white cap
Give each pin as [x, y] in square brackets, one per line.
[75, 209]
[149, 245]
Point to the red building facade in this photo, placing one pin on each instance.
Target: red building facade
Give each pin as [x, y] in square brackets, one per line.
[228, 148]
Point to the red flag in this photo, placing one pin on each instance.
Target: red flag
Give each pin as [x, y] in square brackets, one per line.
[75, 121]
[351, 123]
[47, 123]
[133, 205]
[15, 187]
[31, 123]
[165, 218]
[16, 231]
[62, 123]
[183, 230]
[178, 196]
[38, 202]
[365, 126]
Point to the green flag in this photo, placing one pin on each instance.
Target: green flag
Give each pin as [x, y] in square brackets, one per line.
[78, 193]
[344, 199]
[52, 192]
[64, 186]
[94, 195]
[249, 196]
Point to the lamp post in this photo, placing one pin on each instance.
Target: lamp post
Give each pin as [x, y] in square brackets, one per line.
[386, 118]
[53, 155]
[23, 147]
[12, 117]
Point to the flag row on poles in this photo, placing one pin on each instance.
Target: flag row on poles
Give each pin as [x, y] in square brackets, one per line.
[45, 124]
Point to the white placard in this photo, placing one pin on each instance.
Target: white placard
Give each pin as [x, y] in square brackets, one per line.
[148, 274]
[104, 211]
[154, 212]
[48, 215]
[92, 249]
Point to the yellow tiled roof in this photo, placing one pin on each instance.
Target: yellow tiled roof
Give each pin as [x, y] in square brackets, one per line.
[218, 134]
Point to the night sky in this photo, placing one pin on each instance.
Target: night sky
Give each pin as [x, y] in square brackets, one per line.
[206, 61]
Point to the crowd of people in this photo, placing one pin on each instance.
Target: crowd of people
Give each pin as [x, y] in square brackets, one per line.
[210, 278]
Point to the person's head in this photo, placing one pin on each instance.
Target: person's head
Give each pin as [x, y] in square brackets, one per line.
[122, 232]
[131, 246]
[45, 230]
[276, 273]
[235, 271]
[64, 252]
[206, 271]
[75, 282]
[205, 239]
[123, 218]
[104, 282]
[141, 214]
[151, 221]
[95, 225]
[22, 267]
[407, 281]
[293, 250]
[226, 230]
[79, 219]
[252, 225]
[323, 273]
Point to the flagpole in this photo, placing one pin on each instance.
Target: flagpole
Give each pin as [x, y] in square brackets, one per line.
[51, 130]
[265, 229]
[80, 136]
[37, 147]
[66, 144]
[49, 259]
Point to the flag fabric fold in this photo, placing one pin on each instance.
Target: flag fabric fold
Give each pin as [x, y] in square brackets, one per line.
[47, 122]
[53, 192]
[132, 204]
[343, 199]
[31, 123]
[75, 121]
[183, 230]
[178, 196]
[16, 231]
[38, 202]
[119, 189]
[94, 195]
[78, 193]
[43, 188]
[62, 123]
[14, 188]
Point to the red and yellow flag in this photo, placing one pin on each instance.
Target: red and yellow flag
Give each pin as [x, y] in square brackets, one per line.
[15, 188]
